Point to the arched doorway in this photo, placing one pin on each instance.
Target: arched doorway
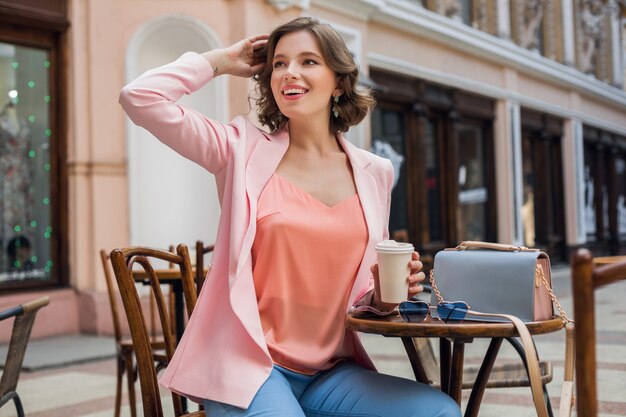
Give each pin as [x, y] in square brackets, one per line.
[171, 199]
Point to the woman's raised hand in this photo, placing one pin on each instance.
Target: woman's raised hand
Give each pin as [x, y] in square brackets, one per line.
[243, 59]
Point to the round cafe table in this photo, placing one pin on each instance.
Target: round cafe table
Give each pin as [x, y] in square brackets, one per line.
[452, 336]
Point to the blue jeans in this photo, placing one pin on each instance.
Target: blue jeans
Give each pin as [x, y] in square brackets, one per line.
[346, 390]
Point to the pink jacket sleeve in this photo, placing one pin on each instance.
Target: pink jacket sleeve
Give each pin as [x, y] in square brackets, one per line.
[150, 102]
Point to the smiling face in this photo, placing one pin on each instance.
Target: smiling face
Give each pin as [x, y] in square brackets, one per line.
[302, 83]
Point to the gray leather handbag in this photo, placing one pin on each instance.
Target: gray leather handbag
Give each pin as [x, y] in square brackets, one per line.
[494, 278]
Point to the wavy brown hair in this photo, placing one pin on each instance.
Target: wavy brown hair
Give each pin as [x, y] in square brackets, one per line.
[354, 101]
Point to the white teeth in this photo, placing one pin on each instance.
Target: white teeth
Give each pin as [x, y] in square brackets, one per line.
[294, 91]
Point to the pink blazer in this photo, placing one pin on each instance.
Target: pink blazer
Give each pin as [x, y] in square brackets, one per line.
[223, 355]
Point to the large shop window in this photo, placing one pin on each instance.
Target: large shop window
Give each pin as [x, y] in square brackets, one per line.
[31, 177]
[542, 210]
[440, 142]
[605, 191]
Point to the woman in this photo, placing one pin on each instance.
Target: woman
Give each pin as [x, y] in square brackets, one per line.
[302, 209]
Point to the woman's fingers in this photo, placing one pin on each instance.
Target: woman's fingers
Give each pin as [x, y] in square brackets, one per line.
[258, 37]
[416, 278]
[256, 69]
[413, 291]
[415, 266]
[414, 286]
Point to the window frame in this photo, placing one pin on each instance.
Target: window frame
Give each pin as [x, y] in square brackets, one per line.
[51, 41]
[545, 134]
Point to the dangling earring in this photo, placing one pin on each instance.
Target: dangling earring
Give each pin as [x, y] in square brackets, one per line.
[335, 108]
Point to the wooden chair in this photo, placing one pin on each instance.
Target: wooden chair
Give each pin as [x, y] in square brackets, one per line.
[124, 345]
[123, 261]
[24, 318]
[201, 250]
[586, 278]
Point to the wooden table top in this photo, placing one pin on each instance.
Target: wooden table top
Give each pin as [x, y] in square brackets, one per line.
[395, 326]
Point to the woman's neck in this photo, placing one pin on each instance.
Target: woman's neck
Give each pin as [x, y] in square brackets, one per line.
[312, 137]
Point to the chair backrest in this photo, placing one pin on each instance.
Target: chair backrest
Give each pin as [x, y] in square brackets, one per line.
[586, 278]
[123, 261]
[112, 291]
[24, 317]
[201, 250]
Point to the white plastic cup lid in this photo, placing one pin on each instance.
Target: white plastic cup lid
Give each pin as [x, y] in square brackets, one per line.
[391, 246]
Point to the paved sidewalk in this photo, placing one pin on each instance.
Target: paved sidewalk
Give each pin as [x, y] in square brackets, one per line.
[62, 351]
[88, 389]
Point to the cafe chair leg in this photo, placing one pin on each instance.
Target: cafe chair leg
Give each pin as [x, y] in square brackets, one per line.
[131, 377]
[118, 387]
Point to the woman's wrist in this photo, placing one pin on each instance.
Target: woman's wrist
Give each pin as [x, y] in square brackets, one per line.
[381, 305]
[372, 299]
[218, 59]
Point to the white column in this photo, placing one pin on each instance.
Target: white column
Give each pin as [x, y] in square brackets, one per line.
[574, 184]
[581, 236]
[508, 167]
[567, 12]
[504, 19]
[616, 50]
[517, 184]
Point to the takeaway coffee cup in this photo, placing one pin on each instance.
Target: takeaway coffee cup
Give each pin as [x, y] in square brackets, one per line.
[393, 270]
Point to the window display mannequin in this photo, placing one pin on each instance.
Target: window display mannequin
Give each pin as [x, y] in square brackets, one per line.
[15, 180]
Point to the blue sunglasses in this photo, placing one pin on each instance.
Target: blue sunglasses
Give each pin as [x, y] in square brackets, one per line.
[417, 311]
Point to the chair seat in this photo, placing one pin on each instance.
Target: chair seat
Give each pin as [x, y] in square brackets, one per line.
[158, 350]
[157, 343]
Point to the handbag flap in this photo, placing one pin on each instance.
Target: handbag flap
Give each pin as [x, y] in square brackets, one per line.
[489, 281]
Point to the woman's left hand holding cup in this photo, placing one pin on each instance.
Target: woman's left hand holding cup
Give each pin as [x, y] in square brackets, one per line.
[413, 280]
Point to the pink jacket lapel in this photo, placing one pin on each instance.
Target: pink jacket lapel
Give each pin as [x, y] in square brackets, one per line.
[261, 166]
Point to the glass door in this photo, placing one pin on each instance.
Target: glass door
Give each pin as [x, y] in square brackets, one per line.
[473, 195]
[542, 209]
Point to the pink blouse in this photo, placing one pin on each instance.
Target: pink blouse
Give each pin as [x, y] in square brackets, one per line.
[305, 258]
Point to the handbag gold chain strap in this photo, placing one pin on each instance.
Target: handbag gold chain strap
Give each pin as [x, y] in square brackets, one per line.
[542, 275]
[434, 286]
[538, 270]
